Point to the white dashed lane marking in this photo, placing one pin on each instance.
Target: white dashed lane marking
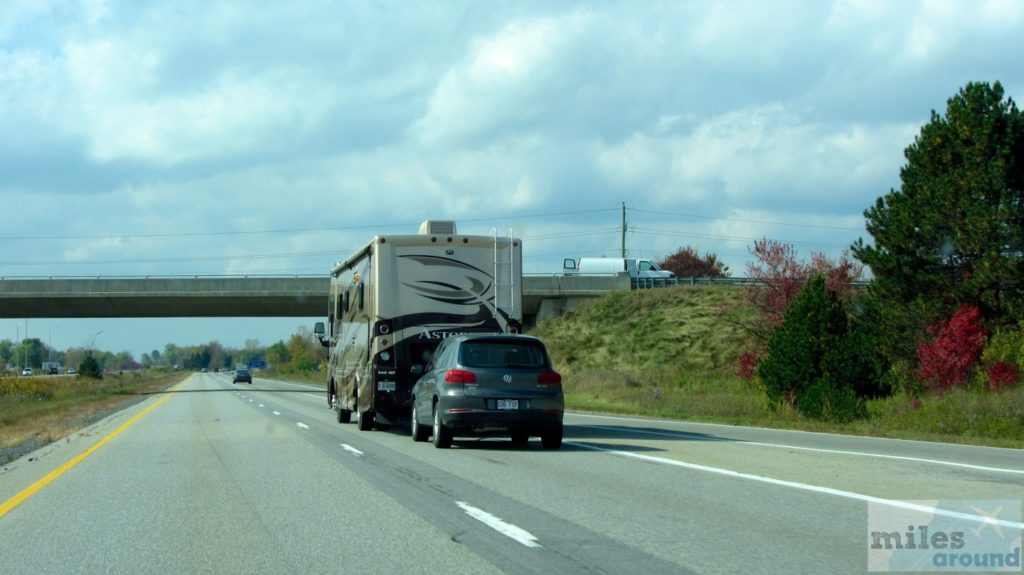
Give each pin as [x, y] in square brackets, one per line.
[351, 449]
[507, 529]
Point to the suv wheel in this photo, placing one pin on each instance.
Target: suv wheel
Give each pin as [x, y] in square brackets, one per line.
[442, 433]
[419, 433]
[552, 439]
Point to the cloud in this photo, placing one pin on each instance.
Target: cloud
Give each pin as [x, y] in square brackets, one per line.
[502, 81]
[201, 116]
[750, 157]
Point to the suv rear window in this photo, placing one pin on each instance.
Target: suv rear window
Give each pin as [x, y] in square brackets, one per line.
[496, 353]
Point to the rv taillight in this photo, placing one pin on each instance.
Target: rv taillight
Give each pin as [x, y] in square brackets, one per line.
[513, 330]
[550, 378]
[459, 376]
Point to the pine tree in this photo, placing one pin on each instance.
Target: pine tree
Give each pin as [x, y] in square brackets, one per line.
[814, 361]
[954, 232]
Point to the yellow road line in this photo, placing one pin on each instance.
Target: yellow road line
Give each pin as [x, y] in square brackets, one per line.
[35, 487]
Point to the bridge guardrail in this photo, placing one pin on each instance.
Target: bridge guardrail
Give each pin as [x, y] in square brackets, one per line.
[649, 283]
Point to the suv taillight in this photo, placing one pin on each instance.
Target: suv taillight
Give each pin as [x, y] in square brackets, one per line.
[550, 378]
[459, 376]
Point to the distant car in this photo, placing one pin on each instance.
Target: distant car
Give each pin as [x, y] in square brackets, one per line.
[53, 371]
[203, 370]
[71, 371]
[242, 375]
[489, 385]
[26, 371]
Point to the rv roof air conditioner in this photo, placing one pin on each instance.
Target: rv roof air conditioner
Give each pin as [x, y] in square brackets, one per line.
[437, 228]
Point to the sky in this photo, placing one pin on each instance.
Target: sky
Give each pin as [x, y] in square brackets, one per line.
[229, 138]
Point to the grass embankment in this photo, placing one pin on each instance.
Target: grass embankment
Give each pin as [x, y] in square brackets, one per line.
[35, 411]
[311, 377]
[673, 352]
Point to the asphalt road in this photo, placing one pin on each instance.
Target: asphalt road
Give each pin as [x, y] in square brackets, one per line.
[223, 478]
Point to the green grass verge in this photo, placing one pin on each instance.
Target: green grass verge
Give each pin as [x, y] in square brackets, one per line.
[672, 352]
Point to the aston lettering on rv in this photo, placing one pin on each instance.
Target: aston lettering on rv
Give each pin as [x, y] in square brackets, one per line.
[427, 334]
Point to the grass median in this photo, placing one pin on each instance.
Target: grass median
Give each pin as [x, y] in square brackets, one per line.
[35, 411]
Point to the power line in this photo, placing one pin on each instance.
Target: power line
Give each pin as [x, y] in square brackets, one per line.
[720, 219]
[659, 232]
[289, 230]
[558, 235]
[176, 260]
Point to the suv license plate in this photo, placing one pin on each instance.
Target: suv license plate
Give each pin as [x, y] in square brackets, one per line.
[504, 404]
[385, 386]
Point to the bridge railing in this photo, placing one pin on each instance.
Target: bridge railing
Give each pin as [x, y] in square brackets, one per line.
[649, 283]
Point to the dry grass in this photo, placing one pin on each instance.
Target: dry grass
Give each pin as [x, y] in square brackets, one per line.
[35, 411]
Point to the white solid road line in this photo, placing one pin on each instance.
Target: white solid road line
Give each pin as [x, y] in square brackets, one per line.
[298, 385]
[683, 435]
[804, 486]
[507, 529]
[302, 425]
[351, 449]
[777, 429]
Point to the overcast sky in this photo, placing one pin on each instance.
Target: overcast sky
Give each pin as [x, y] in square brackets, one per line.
[165, 138]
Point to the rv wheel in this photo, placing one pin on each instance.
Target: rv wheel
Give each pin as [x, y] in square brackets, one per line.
[344, 415]
[364, 420]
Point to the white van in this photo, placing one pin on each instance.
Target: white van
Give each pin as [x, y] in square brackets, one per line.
[636, 268]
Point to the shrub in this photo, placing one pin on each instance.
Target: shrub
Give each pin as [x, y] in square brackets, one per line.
[1001, 375]
[948, 359]
[89, 367]
[1002, 359]
[813, 361]
[748, 366]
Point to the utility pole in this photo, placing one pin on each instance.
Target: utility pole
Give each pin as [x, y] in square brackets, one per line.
[623, 229]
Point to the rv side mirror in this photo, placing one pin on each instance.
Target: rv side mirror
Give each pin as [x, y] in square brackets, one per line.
[569, 264]
[318, 331]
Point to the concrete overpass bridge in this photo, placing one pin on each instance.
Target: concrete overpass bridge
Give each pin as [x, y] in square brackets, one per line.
[249, 296]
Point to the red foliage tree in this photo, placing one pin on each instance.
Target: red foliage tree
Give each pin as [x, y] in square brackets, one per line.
[947, 360]
[781, 276]
[686, 262]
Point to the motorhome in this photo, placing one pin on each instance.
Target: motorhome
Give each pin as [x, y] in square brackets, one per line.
[393, 301]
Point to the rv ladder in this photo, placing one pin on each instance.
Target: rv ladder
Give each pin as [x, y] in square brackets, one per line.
[504, 273]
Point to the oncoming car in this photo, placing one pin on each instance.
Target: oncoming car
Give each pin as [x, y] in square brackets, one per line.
[489, 385]
[242, 375]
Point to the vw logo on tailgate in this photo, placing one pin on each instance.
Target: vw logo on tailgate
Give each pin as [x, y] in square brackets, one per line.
[507, 378]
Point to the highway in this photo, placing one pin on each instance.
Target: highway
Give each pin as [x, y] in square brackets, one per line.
[213, 477]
